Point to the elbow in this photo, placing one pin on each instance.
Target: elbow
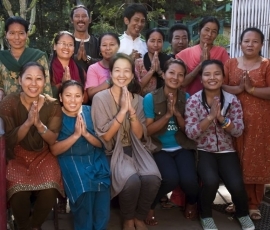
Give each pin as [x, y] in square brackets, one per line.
[90, 93]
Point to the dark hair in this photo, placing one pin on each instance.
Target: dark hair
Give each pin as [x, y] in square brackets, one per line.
[30, 64]
[114, 35]
[177, 27]
[54, 55]
[252, 29]
[16, 19]
[149, 32]
[134, 85]
[71, 83]
[78, 7]
[221, 66]
[213, 61]
[174, 61]
[133, 9]
[208, 19]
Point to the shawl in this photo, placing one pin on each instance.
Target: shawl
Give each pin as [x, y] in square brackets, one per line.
[123, 166]
[58, 71]
[162, 59]
[29, 54]
[14, 114]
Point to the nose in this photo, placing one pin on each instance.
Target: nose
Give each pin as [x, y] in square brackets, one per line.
[16, 35]
[33, 82]
[72, 98]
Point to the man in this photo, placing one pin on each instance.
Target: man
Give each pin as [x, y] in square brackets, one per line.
[131, 42]
[179, 38]
[86, 48]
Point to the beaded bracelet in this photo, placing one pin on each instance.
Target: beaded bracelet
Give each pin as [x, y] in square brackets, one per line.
[227, 124]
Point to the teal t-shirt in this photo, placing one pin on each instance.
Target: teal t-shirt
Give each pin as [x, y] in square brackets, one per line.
[167, 139]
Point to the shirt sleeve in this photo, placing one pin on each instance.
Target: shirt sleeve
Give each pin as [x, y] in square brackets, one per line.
[236, 117]
[91, 77]
[148, 106]
[192, 119]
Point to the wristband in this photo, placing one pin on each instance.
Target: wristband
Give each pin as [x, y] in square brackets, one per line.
[108, 82]
[252, 90]
[45, 130]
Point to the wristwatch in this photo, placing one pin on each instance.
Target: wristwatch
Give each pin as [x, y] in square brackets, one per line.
[88, 59]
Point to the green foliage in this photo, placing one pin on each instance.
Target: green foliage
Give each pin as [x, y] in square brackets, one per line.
[222, 40]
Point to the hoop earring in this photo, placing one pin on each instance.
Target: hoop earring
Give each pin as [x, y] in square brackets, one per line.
[100, 54]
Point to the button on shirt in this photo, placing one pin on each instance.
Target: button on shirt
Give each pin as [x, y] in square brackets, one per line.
[127, 44]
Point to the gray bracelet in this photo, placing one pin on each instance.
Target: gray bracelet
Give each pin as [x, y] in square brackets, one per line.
[45, 130]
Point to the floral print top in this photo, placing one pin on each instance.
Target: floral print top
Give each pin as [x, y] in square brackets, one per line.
[9, 79]
[214, 139]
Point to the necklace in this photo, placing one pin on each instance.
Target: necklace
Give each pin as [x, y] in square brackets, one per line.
[251, 67]
[124, 134]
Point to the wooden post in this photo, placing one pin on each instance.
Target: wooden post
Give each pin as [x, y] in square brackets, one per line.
[3, 203]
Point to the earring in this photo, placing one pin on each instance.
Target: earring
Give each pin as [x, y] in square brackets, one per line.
[100, 54]
[6, 43]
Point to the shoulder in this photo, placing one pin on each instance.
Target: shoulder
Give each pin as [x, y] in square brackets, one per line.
[100, 96]
[229, 97]
[148, 97]
[51, 101]
[10, 101]
[196, 97]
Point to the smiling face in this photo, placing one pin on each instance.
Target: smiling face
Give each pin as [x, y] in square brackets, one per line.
[174, 76]
[208, 33]
[108, 46]
[65, 47]
[135, 25]
[72, 98]
[251, 44]
[155, 42]
[179, 41]
[16, 36]
[80, 20]
[32, 81]
[212, 77]
[121, 73]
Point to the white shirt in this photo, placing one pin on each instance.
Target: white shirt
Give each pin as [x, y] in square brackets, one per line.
[127, 44]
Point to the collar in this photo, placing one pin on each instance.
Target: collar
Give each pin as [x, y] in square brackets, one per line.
[85, 40]
[129, 37]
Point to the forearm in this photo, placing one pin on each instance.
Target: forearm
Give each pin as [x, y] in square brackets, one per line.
[60, 147]
[93, 140]
[146, 78]
[116, 124]
[22, 131]
[181, 122]
[204, 124]
[191, 76]
[157, 125]
[136, 126]
[46, 134]
[263, 93]
[232, 89]
[91, 91]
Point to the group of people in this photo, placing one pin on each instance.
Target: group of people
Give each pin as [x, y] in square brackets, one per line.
[157, 122]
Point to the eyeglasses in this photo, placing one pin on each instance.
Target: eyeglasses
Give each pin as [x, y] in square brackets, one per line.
[65, 44]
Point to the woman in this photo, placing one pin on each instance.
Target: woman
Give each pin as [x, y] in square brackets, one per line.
[118, 119]
[213, 117]
[164, 110]
[205, 50]
[62, 66]
[249, 78]
[98, 74]
[83, 163]
[32, 122]
[149, 69]
[12, 60]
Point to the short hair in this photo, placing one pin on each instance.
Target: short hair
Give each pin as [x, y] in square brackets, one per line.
[213, 61]
[78, 7]
[252, 29]
[134, 8]
[31, 64]
[114, 35]
[149, 32]
[177, 27]
[208, 19]
[16, 19]
[134, 86]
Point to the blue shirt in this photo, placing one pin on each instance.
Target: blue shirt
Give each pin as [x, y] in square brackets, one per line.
[84, 167]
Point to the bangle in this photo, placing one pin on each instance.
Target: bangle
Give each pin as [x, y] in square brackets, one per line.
[226, 123]
[133, 119]
[45, 130]
[118, 121]
[132, 114]
[209, 118]
[252, 90]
